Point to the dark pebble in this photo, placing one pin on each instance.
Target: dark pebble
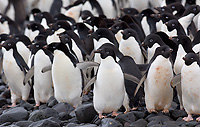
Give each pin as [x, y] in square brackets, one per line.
[64, 116]
[52, 101]
[3, 101]
[49, 112]
[139, 114]
[26, 105]
[63, 107]
[85, 113]
[175, 114]
[45, 123]
[109, 122]
[14, 115]
[37, 115]
[23, 123]
[71, 125]
[127, 117]
[139, 123]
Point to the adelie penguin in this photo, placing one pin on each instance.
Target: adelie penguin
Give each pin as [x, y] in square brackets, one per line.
[67, 78]
[158, 92]
[40, 58]
[190, 85]
[15, 68]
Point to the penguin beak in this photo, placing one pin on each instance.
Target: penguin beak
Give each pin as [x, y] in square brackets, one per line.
[98, 51]
[143, 44]
[166, 23]
[171, 50]
[45, 47]
[184, 58]
[122, 9]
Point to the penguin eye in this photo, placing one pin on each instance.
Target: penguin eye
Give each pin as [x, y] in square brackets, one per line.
[173, 24]
[173, 7]
[99, 35]
[56, 18]
[52, 30]
[107, 52]
[177, 39]
[129, 11]
[59, 25]
[151, 40]
[41, 15]
[194, 9]
[192, 58]
[54, 47]
[66, 39]
[163, 9]
[9, 44]
[36, 26]
[37, 46]
[117, 27]
[17, 38]
[167, 17]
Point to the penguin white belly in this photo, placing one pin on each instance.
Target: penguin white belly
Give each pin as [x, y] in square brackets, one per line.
[130, 47]
[196, 48]
[66, 79]
[109, 87]
[158, 92]
[179, 61]
[145, 26]
[33, 35]
[185, 21]
[4, 28]
[44, 23]
[190, 88]
[73, 12]
[119, 36]
[77, 51]
[108, 8]
[151, 51]
[23, 51]
[170, 34]
[42, 81]
[54, 37]
[15, 78]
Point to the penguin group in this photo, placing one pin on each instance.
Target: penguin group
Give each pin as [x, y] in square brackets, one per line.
[123, 51]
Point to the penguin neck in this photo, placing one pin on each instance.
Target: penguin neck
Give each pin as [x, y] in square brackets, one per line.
[108, 62]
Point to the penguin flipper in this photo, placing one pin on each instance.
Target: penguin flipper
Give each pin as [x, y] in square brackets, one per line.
[131, 78]
[87, 64]
[92, 81]
[176, 80]
[28, 75]
[140, 83]
[47, 68]
[144, 52]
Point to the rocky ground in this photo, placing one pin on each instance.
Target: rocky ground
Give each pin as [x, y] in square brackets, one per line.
[54, 114]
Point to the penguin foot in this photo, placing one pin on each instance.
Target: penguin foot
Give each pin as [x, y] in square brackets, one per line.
[188, 118]
[13, 105]
[165, 111]
[101, 116]
[198, 119]
[115, 114]
[134, 108]
[37, 105]
[153, 111]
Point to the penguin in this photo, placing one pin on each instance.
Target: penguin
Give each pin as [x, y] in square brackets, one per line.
[32, 15]
[158, 92]
[108, 96]
[55, 7]
[177, 9]
[139, 5]
[131, 46]
[195, 42]
[47, 3]
[129, 11]
[66, 76]
[15, 68]
[61, 16]
[39, 59]
[189, 85]
[45, 19]
[175, 25]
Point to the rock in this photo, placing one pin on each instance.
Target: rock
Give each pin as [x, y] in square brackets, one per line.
[5, 94]
[73, 120]
[175, 114]
[52, 101]
[85, 99]
[109, 122]
[26, 105]
[3, 101]
[64, 116]
[49, 112]
[14, 115]
[161, 118]
[37, 115]
[127, 117]
[85, 113]
[45, 123]
[12, 126]
[43, 106]
[5, 124]
[139, 123]
[139, 114]
[2, 88]
[71, 125]
[63, 107]
[191, 123]
[171, 124]
[87, 125]
[23, 123]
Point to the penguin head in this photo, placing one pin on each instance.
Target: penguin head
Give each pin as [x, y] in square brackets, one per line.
[189, 58]
[106, 50]
[60, 24]
[147, 12]
[52, 46]
[4, 37]
[36, 46]
[193, 9]
[165, 17]
[85, 15]
[172, 24]
[22, 38]
[61, 16]
[177, 6]
[129, 11]
[118, 26]
[5, 18]
[191, 2]
[128, 32]
[65, 38]
[163, 9]
[34, 26]
[164, 50]
[9, 44]
[151, 39]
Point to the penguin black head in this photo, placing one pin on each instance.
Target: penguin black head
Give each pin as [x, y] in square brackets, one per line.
[4, 37]
[177, 6]
[23, 38]
[129, 11]
[151, 39]
[34, 26]
[106, 50]
[193, 9]
[191, 2]
[189, 58]
[163, 9]
[172, 24]
[119, 26]
[5, 18]
[65, 38]
[165, 17]
[9, 44]
[36, 46]
[35, 11]
[128, 33]
[46, 15]
[60, 24]
[147, 12]
[86, 15]
[61, 16]
[164, 50]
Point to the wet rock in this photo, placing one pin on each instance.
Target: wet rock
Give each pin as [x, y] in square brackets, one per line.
[139, 123]
[37, 115]
[23, 123]
[109, 122]
[87, 125]
[139, 114]
[191, 123]
[64, 116]
[26, 105]
[63, 107]
[71, 125]
[85, 113]
[3, 101]
[52, 101]
[45, 123]
[127, 117]
[175, 114]
[14, 115]
[49, 112]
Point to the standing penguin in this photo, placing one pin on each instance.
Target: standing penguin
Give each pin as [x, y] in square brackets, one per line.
[15, 67]
[190, 85]
[66, 76]
[158, 92]
[41, 58]
[108, 96]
